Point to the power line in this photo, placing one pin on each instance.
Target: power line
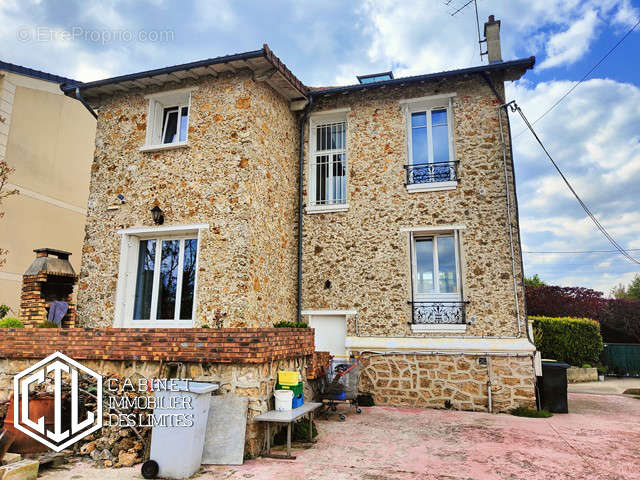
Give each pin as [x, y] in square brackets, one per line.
[579, 251]
[586, 75]
[515, 108]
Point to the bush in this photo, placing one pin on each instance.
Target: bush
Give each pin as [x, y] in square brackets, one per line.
[11, 322]
[4, 309]
[573, 340]
[552, 301]
[290, 325]
[47, 324]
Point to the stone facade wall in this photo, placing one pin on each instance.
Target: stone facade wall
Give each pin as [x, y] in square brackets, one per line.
[462, 380]
[239, 175]
[256, 381]
[363, 252]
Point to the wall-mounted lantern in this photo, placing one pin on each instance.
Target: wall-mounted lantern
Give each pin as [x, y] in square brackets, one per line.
[158, 215]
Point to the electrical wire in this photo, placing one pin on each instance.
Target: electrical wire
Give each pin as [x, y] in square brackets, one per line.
[579, 251]
[515, 108]
[586, 75]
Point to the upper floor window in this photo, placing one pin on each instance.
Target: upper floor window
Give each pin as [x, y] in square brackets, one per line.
[328, 163]
[431, 163]
[168, 120]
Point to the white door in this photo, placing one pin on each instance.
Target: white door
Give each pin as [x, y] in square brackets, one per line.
[330, 333]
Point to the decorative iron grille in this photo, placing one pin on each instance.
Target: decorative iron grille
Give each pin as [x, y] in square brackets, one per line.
[431, 172]
[439, 313]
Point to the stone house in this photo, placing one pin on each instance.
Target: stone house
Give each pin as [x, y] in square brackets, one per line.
[226, 193]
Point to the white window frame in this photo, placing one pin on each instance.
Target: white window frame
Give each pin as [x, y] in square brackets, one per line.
[436, 296]
[127, 275]
[317, 119]
[156, 116]
[427, 105]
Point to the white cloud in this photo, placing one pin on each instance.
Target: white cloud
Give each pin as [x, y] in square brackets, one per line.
[593, 135]
[414, 37]
[571, 45]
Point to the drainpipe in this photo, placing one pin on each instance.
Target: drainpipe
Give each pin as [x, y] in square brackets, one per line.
[84, 102]
[504, 105]
[303, 121]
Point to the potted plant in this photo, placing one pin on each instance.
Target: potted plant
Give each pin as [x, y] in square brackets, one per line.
[602, 371]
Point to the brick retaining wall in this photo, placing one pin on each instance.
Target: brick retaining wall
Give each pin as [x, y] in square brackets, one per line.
[228, 345]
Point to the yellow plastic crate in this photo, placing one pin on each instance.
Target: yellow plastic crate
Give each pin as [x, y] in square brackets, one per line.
[288, 378]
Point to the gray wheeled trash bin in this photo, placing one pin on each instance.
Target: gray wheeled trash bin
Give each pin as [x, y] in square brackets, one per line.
[178, 449]
[554, 387]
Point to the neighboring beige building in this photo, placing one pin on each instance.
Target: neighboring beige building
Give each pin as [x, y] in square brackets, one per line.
[48, 138]
[409, 255]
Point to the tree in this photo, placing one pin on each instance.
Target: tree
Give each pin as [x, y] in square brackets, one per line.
[533, 281]
[632, 292]
[5, 171]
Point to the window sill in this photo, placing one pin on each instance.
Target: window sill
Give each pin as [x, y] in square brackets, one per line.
[327, 208]
[431, 187]
[158, 324]
[435, 327]
[164, 146]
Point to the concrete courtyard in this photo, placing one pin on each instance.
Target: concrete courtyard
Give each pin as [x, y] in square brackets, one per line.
[599, 439]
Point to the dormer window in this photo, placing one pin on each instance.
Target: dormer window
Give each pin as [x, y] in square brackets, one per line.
[375, 77]
[168, 120]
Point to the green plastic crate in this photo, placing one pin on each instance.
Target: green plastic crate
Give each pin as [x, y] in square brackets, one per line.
[297, 389]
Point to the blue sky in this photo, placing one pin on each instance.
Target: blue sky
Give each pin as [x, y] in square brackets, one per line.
[594, 134]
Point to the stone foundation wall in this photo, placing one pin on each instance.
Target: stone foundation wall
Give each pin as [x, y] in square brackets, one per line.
[255, 380]
[462, 380]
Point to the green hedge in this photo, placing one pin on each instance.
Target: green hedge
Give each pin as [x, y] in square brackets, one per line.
[573, 340]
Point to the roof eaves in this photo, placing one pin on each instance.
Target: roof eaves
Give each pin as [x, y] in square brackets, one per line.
[523, 63]
[33, 73]
[164, 70]
[264, 52]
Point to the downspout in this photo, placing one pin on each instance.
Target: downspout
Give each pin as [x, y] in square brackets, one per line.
[505, 106]
[303, 121]
[84, 102]
[517, 214]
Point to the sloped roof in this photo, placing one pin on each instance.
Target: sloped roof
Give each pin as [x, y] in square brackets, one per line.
[39, 74]
[513, 70]
[264, 63]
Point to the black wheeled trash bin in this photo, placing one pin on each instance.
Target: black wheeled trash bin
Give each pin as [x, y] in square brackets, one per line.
[554, 387]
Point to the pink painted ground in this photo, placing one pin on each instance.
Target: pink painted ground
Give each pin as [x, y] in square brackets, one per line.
[600, 439]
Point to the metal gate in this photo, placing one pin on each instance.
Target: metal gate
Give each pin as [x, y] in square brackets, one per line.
[622, 358]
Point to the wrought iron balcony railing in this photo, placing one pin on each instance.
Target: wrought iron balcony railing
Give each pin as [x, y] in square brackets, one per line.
[438, 313]
[431, 172]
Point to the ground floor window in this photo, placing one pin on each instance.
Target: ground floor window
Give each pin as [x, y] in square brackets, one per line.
[165, 279]
[158, 277]
[436, 286]
[436, 265]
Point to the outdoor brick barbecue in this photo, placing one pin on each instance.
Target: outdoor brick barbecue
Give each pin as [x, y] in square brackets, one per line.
[50, 277]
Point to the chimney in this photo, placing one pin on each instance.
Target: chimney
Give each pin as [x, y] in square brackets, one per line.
[492, 37]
